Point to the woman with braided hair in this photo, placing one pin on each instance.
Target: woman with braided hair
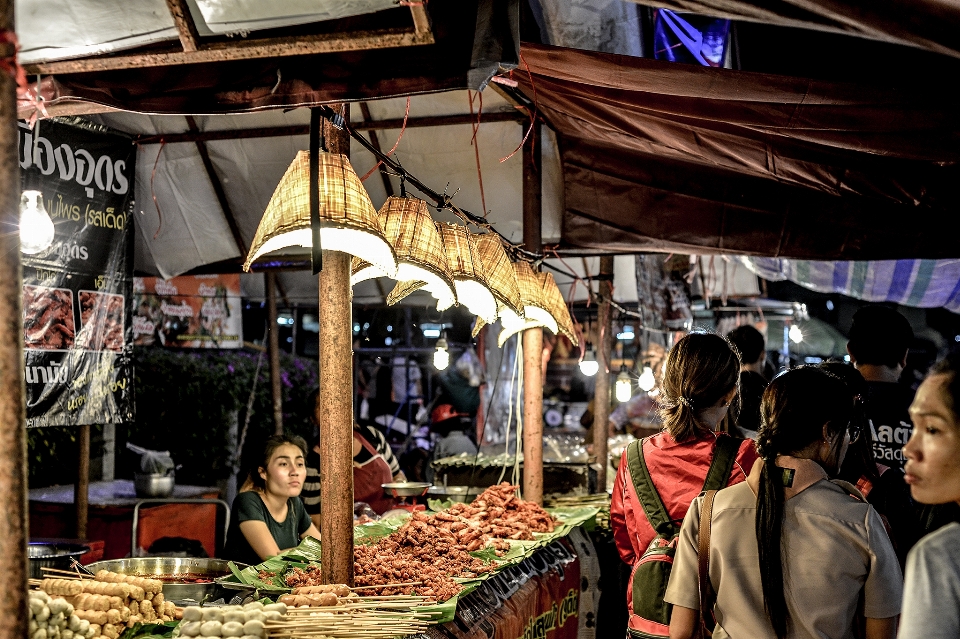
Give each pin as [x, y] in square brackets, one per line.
[792, 554]
[665, 472]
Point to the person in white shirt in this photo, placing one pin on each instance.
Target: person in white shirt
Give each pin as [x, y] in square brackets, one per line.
[931, 603]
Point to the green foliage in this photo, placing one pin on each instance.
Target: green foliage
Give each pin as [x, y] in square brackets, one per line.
[185, 401]
[52, 454]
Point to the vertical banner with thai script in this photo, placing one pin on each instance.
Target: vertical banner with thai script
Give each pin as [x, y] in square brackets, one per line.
[190, 311]
[76, 316]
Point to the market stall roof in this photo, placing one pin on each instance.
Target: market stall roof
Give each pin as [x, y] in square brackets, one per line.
[675, 157]
[646, 155]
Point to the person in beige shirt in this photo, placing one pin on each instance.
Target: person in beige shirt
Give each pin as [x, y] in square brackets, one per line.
[819, 547]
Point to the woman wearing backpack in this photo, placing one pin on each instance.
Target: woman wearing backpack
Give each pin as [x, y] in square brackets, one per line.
[791, 554]
[659, 476]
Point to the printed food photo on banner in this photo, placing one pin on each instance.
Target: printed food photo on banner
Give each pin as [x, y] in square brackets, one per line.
[198, 311]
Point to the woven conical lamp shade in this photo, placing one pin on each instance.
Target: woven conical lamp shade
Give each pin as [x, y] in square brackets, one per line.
[469, 278]
[411, 231]
[348, 221]
[557, 307]
[500, 275]
[534, 307]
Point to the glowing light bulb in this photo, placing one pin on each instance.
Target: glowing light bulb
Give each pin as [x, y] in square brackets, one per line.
[624, 387]
[589, 365]
[36, 227]
[647, 381]
[441, 358]
[796, 335]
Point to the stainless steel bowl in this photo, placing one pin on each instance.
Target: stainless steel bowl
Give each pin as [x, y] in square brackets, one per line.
[153, 485]
[179, 575]
[455, 493]
[406, 489]
[52, 555]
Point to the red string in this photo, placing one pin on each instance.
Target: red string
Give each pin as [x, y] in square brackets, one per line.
[533, 116]
[476, 146]
[153, 193]
[403, 128]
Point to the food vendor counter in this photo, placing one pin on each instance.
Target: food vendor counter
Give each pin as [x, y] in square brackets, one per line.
[539, 598]
[110, 518]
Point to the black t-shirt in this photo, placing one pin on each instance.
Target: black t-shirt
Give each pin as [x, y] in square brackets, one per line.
[890, 424]
[249, 506]
[752, 386]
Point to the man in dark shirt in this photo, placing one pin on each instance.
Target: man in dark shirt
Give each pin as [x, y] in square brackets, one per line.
[749, 341]
[879, 340]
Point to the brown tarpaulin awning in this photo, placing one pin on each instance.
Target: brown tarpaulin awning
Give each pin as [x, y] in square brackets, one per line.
[665, 156]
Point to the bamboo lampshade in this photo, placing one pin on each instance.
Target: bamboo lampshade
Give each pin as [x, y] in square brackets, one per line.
[500, 275]
[411, 231]
[557, 307]
[469, 278]
[348, 221]
[534, 306]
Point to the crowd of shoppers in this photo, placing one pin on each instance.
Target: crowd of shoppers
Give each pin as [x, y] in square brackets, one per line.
[841, 479]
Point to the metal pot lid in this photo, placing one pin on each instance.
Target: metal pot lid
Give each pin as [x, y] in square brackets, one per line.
[47, 550]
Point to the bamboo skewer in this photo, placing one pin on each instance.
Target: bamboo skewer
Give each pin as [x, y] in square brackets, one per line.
[68, 574]
[406, 583]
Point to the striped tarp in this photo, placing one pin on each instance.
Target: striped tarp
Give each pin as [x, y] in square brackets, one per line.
[923, 283]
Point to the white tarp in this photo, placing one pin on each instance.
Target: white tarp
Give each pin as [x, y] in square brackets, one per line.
[90, 27]
[195, 231]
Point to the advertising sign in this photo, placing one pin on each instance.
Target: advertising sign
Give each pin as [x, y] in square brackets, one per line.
[193, 311]
[76, 318]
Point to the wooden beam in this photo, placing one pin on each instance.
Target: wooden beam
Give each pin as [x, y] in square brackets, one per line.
[387, 184]
[601, 394]
[421, 21]
[81, 490]
[335, 402]
[189, 38]
[242, 50]
[218, 189]
[532, 337]
[273, 351]
[13, 431]
[304, 129]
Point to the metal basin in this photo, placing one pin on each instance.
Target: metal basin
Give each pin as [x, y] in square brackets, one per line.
[153, 485]
[182, 577]
[51, 555]
[455, 493]
[406, 489]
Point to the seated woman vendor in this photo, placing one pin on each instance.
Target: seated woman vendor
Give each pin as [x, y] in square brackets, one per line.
[270, 518]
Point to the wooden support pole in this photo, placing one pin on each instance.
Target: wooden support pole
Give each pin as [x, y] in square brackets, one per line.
[601, 397]
[533, 337]
[81, 489]
[335, 405]
[13, 437]
[273, 350]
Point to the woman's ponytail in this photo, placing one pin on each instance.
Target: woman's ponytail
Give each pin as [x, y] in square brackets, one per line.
[795, 408]
[769, 530]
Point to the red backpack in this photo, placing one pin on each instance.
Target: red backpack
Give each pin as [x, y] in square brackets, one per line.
[648, 581]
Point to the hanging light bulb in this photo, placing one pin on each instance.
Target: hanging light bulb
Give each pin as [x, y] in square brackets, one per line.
[647, 381]
[36, 227]
[589, 364]
[441, 358]
[624, 388]
[796, 335]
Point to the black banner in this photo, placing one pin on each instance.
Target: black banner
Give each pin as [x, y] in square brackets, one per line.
[78, 337]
